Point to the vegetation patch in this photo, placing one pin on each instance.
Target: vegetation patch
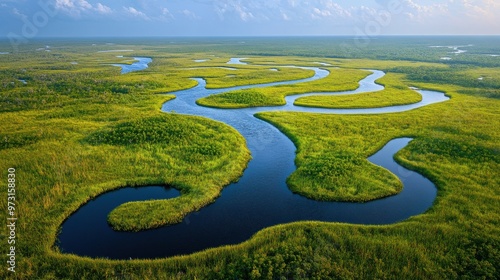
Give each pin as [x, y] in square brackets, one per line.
[338, 80]
[342, 177]
[189, 145]
[163, 129]
[456, 146]
[17, 140]
[396, 92]
[241, 99]
[483, 82]
[457, 150]
[250, 75]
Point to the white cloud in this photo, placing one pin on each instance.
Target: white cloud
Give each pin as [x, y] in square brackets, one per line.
[136, 13]
[165, 12]
[64, 4]
[165, 15]
[464, 13]
[284, 16]
[243, 12]
[258, 10]
[72, 5]
[223, 7]
[284, 10]
[410, 15]
[76, 8]
[189, 14]
[84, 4]
[17, 13]
[336, 9]
[292, 3]
[317, 13]
[414, 16]
[482, 9]
[476, 16]
[329, 9]
[419, 12]
[103, 9]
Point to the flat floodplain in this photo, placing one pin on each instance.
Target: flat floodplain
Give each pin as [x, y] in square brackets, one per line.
[75, 129]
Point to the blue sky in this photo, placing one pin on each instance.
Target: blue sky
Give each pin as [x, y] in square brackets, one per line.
[74, 18]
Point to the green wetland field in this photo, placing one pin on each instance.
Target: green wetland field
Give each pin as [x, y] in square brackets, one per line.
[73, 127]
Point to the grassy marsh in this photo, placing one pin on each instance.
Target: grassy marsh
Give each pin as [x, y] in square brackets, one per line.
[47, 127]
[338, 80]
[396, 92]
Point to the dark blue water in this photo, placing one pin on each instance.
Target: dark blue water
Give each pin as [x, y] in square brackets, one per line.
[259, 199]
[89, 224]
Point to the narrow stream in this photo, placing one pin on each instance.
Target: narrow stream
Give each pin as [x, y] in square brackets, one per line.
[259, 199]
[140, 63]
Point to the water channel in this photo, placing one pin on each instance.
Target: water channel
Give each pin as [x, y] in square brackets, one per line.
[259, 199]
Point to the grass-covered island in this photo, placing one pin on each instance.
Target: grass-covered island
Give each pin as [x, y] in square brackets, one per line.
[73, 128]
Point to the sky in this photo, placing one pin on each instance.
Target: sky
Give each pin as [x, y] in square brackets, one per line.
[27, 19]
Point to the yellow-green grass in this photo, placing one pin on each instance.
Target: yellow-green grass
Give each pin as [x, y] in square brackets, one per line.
[249, 75]
[338, 80]
[161, 77]
[59, 167]
[458, 236]
[396, 92]
[62, 159]
[58, 170]
[320, 143]
[341, 62]
[184, 148]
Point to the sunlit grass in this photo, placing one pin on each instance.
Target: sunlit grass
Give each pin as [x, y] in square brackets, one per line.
[338, 80]
[49, 129]
[396, 92]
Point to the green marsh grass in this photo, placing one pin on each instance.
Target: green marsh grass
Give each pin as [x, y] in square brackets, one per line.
[47, 127]
[248, 75]
[338, 80]
[396, 92]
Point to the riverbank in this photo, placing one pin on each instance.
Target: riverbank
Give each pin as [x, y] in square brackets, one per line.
[455, 145]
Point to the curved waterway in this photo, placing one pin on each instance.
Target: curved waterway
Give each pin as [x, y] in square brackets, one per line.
[259, 199]
[140, 63]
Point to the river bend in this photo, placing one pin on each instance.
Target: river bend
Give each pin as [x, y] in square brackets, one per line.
[260, 198]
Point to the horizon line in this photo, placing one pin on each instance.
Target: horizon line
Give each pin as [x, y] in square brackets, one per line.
[5, 38]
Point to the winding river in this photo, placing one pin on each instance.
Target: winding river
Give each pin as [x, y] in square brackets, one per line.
[259, 199]
[140, 63]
